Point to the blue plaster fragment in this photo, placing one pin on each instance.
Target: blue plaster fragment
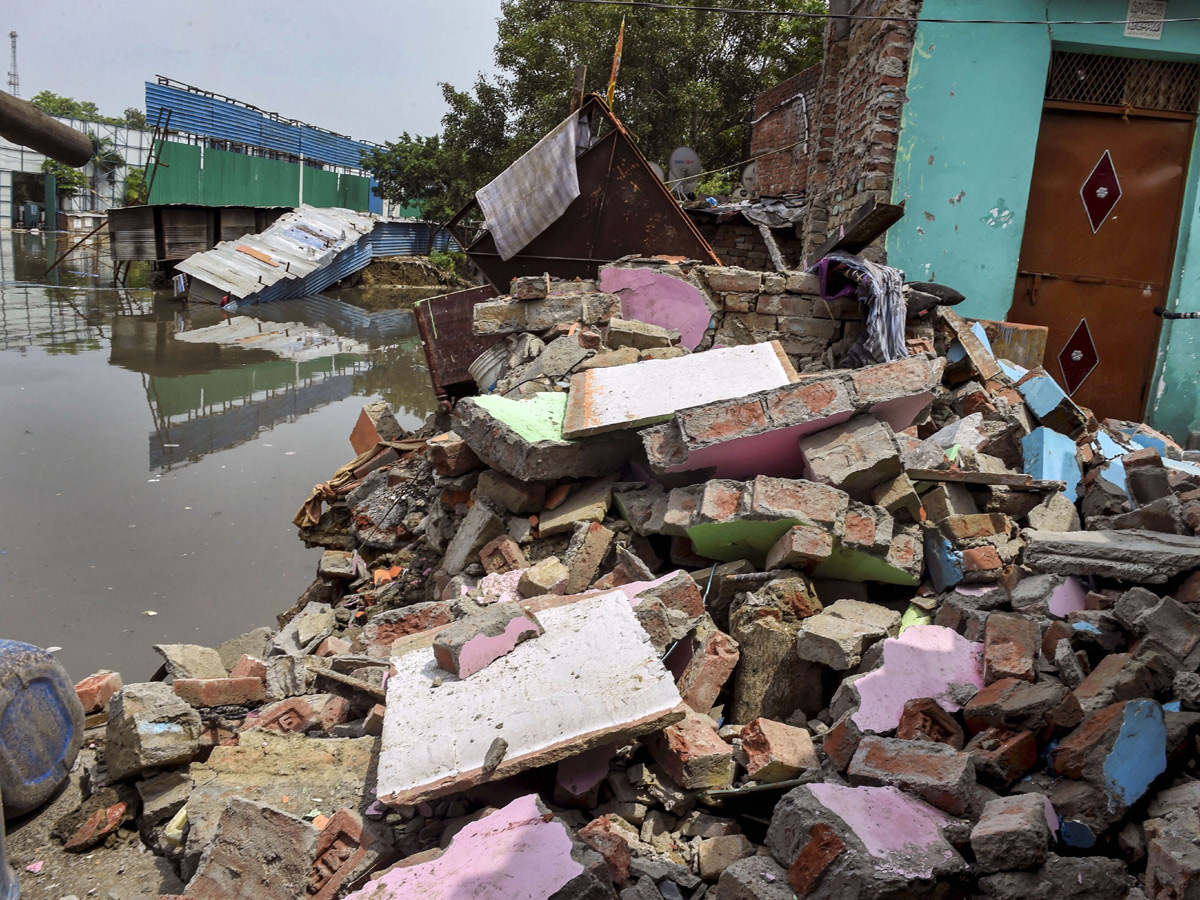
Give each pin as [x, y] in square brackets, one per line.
[1173, 706]
[1086, 626]
[1050, 456]
[980, 332]
[1139, 754]
[955, 352]
[1076, 834]
[1012, 370]
[945, 565]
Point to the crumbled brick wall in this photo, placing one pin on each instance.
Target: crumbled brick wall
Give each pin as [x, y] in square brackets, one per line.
[863, 81]
[785, 120]
[738, 243]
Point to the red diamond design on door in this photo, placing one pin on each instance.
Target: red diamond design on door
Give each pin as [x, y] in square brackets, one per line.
[1100, 192]
[1078, 358]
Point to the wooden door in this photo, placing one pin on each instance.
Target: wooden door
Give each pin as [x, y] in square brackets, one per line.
[1104, 209]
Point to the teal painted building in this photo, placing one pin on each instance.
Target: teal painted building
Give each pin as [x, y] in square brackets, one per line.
[978, 101]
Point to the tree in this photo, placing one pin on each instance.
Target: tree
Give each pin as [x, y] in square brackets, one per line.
[135, 118]
[687, 77]
[55, 105]
[135, 183]
[68, 181]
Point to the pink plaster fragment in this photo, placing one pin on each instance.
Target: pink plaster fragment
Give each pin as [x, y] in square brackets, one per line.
[1051, 818]
[483, 649]
[512, 854]
[661, 300]
[580, 773]
[775, 452]
[901, 412]
[896, 828]
[974, 590]
[923, 662]
[1067, 598]
[499, 587]
[634, 588]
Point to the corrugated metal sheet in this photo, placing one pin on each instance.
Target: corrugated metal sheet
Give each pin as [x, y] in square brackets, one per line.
[311, 248]
[215, 117]
[131, 233]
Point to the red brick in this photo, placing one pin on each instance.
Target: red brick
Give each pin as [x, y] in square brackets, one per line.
[379, 636]
[601, 837]
[714, 657]
[714, 424]
[924, 719]
[451, 456]
[814, 859]
[693, 754]
[859, 529]
[502, 555]
[841, 742]
[341, 846]
[934, 772]
[971, 527]
[95, 691]
[1055, 632]
[801, 547]
[981, 559]
[333, 646]
[1010, 647]
[250, 667]
[206, 692]
[1002, 756]
[775, 751]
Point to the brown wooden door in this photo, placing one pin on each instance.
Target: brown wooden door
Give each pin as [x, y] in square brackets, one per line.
[1096, 256]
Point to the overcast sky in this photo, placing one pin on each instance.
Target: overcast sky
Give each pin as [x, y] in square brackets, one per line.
[366, 69]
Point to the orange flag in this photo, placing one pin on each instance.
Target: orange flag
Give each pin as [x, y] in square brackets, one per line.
[612, 79]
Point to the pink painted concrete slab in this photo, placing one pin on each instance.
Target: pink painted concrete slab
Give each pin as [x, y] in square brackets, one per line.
[1067, 598]
[483, 649]
[513, 854]
[901, 412]
[898, 829]
[579, 774]
[923, 662]
[776, 453]
[661, 300]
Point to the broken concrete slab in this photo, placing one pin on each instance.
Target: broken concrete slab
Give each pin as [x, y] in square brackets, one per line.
[934, 772]
[149, 727]
[693, 754]
[855, 457]
[466, 646]
[776, 751]
[1012, 833]
[439, 729]
[659, 299]
[620, 398]
[191, 661]
[639, 335]
[479, 527]
[524, 438]
[589, 502]
[1133, 557]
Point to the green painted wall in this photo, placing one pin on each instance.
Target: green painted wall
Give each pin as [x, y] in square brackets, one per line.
[965, 160]
[218, 178]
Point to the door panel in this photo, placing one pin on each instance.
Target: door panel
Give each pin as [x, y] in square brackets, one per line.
[1112, 276]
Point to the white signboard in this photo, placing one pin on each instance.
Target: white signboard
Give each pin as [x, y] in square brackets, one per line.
[1145, 19]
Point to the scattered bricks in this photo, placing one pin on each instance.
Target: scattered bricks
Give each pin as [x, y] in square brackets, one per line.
[771, 680]
[375, 423]
[250, 667]
[814, 859]
[208, 692]
[1019, 705]
[714, 655]
[516, 496]
[785, 498]
[677, 591]
[1118, 677]
[1012, 833]
[841, 742]
[148, 727]
[191, 661]
[373, 723]
[924, 720]
[609, 841]
[95, 691]
[607, 359]
[469, 644]
[588, 503]
[585, 553]
[833, 641]
[938, 774]
[96, 828]
[1170, 628]
[1056, 631]
[546, 576]
[1001, 756]
[962, 530]
[479, 527]
[1145, 476]
[854, 457]
[693, 754]
[346, 850]
[899, 497]
[1120, 750]
[529, 287]
[981, 561]
[331, 646]
[1010, 647]
[860, 527]
[899, 380]
[639, 335]
[801, 547]
[502, 555]
[949, 499]
[451, 456]
[776, 752]
[715, 855]
[389, 626]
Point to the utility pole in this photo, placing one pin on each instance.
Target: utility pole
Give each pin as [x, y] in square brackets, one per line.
[14, 82]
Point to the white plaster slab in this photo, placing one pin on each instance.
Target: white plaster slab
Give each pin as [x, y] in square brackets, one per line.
[592, 678]
[618, 397]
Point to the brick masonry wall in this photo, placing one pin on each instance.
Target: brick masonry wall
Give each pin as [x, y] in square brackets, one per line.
[783, 116]
[738, 243]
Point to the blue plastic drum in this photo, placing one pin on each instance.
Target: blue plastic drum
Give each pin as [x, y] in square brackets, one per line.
[41, 726]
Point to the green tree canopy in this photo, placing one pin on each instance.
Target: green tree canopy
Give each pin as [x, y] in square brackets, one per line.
[687, 78]
[56, 105]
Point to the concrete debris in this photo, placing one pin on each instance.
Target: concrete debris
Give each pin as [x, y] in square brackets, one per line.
[929, 623]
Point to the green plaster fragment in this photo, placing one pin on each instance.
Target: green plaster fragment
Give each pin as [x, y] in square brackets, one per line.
[744, 539]
[537, 418]
[854, 565]
[914, 615]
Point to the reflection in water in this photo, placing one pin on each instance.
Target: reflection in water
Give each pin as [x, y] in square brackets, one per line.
[141, 471]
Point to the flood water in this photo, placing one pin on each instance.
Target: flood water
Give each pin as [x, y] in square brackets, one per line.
[151, 462]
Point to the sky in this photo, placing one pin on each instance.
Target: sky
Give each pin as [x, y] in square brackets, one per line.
[369, 69]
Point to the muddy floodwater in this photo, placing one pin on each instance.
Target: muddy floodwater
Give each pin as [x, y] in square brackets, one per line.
[152, 453]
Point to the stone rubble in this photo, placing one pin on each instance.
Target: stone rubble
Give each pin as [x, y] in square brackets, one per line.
[910, 630]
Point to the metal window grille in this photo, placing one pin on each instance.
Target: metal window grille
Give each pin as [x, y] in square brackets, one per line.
[1122, 81]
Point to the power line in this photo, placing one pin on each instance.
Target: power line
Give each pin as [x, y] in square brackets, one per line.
[795, 14]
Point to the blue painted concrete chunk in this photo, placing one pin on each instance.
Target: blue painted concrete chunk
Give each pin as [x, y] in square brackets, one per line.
[1173, 706]
[1042, 394]
[1139, 754]
[980, 332]
[1086, 626]
[945, 565]
[1051, 456]
[1012, 370]
[1076, 834]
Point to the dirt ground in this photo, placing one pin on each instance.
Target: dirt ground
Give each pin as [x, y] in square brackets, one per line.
[121, 869]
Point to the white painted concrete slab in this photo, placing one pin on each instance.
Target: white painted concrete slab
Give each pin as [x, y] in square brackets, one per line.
[631, 396]
[592, 678]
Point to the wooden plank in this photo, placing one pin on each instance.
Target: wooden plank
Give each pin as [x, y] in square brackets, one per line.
[1014, 480]
[869, 222]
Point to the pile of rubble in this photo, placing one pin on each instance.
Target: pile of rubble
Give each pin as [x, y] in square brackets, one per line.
[682, 611]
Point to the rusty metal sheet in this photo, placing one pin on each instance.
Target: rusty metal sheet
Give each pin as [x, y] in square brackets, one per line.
[622, 209]
[445, 324]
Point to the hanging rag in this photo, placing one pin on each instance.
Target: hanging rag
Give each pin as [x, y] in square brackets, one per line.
[531, 194]
[347, 478]
[880, 291]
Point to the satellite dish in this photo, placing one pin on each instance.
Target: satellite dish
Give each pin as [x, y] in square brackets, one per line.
[684, 171]
[740, 193]
[657, 170]
[750, 178]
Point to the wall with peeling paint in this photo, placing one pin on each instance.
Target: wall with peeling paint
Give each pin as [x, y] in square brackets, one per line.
[965, 159]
